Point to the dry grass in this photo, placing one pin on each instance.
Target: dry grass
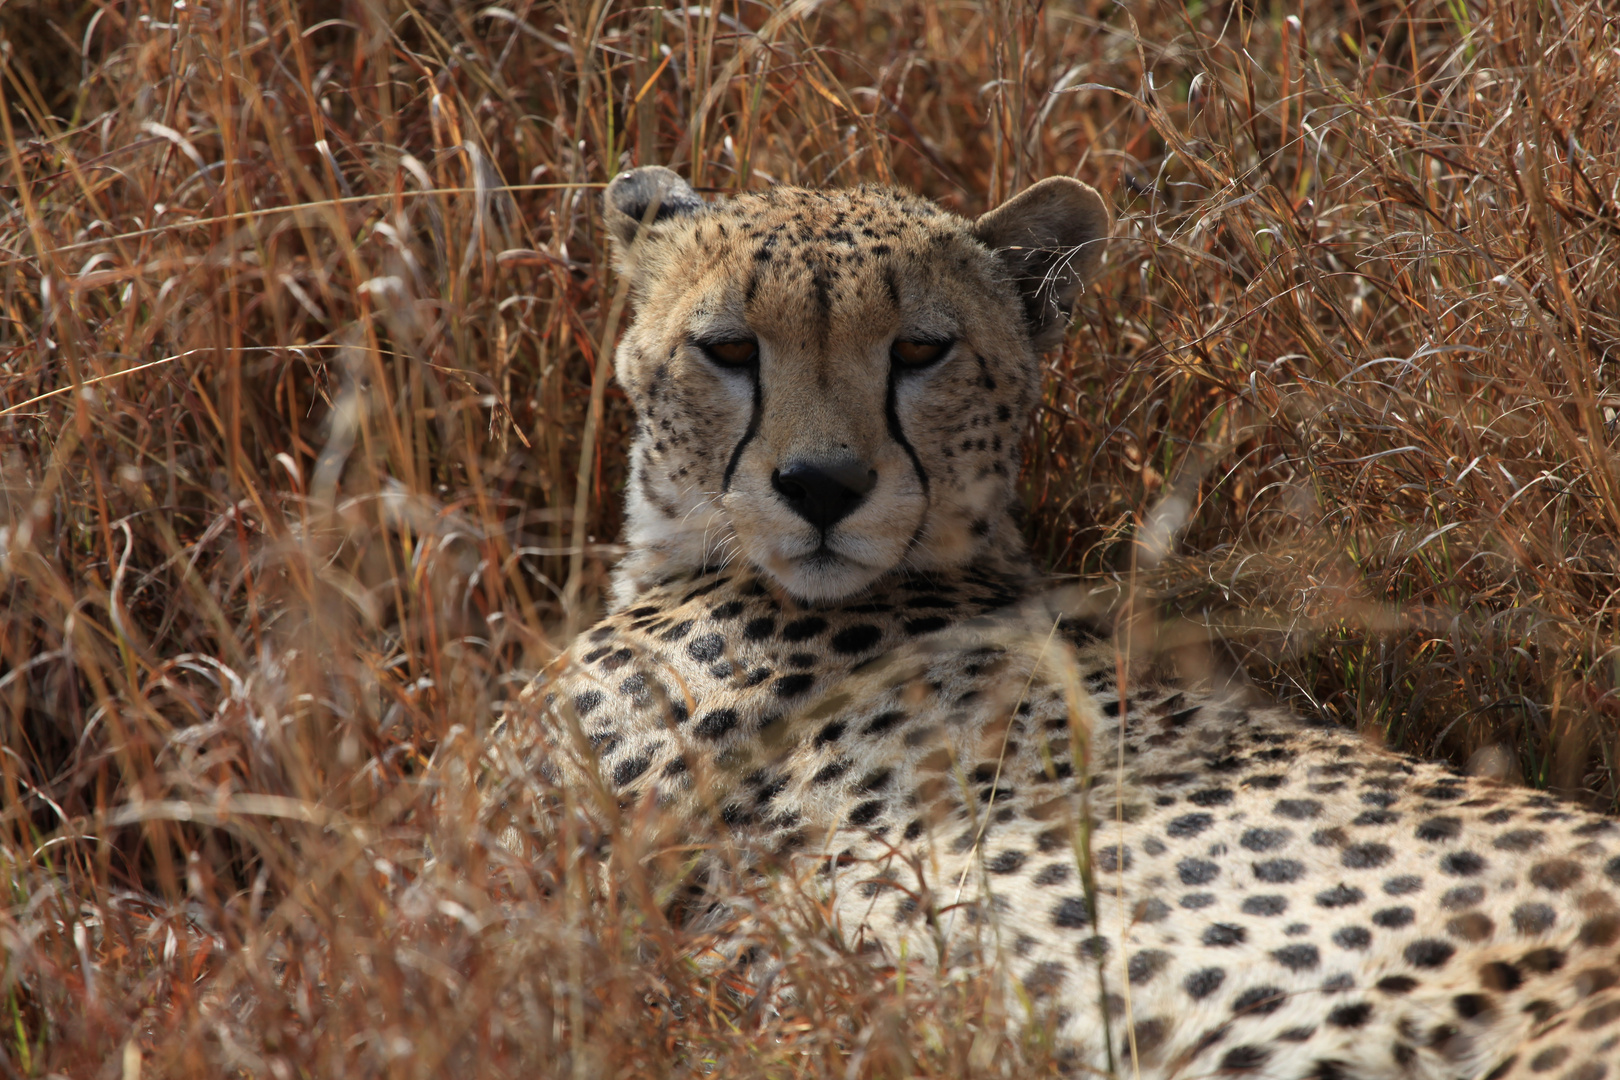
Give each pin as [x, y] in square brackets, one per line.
[310, 453]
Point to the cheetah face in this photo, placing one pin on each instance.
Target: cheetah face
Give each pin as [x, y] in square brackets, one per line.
[831, 386]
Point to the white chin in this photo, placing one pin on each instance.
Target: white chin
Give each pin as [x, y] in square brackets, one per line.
[821, 576]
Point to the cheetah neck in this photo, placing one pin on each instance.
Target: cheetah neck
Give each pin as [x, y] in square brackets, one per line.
[749, 654]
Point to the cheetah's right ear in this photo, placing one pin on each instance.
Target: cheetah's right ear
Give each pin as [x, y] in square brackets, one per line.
[636, 193]
[1050, 237]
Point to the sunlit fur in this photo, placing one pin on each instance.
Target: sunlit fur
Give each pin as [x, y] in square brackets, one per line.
[826, 282]
[962, 773]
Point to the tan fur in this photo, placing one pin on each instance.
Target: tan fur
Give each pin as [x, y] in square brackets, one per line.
[828, 281]
[1178, 878]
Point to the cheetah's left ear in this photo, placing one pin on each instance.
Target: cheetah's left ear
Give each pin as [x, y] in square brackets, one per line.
[1050, 237]
[633, 193]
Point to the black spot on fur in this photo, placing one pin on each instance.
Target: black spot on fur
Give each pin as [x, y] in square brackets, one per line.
[1352, 937]
[1145, 965]
[1462, 897]
[1519, 840]
[1297, 957]
[1197, 871]
[830, 772]
[1533, 918]
[1500, 976]
[1297, 809]
[1366, 856]
[831, 733]
[1006, 862]
[1267, 905]
[1052, 874]
[793, 685]
[1204, 982]
[1393, 918]
[876, 780]
[856, 639]
[716, 724]
[678, 631]
[1556, 875]
[1264, 839]
[884, 721]
[803, 629]
[1350, 1016]
[706, 648]
[1439, 828]
[1542, 961]
[1258, 1001]
[627, 770]
[1223, 934]
[1279, 871]
[1070, 913]
[1461, 864]
[1429, 953]
[1245, 1058]
[916, 627]
[1340, 895]
[866, 812]
[1189, 825]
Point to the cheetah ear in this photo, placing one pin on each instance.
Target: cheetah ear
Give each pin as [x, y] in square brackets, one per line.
[633, 193]
[1050, 238]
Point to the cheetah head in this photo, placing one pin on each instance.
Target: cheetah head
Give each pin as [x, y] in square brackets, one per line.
[831, 385]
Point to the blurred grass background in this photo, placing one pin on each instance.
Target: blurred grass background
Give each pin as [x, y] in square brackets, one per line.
[310, 456]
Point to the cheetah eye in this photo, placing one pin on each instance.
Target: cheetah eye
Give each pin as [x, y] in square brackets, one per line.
[919, 354]
[738, 353]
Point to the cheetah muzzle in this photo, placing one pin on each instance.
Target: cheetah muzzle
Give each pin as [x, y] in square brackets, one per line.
[829, 646]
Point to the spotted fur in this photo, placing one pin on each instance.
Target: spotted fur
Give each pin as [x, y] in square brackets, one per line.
[1180, 878]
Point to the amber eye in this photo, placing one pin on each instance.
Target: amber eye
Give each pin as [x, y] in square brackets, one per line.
[739, 353]
[918, 354]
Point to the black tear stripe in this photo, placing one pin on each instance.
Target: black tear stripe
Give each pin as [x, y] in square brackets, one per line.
[891, 413]
[748, 436]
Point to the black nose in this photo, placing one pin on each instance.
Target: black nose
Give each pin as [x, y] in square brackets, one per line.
[824, 494]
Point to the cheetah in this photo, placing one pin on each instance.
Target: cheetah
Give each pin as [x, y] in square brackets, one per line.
[827, 641]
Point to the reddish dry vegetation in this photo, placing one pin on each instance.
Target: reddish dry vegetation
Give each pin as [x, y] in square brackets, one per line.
[310, 457]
